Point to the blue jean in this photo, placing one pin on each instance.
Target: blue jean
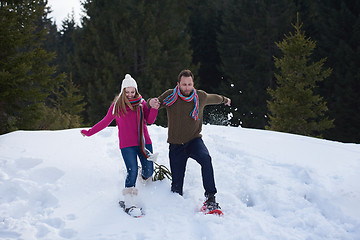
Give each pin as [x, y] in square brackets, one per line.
[179, 154]
[130, 155]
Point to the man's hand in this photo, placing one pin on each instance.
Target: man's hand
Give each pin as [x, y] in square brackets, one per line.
[228, 102]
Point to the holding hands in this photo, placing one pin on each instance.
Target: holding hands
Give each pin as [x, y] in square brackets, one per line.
[154, 103]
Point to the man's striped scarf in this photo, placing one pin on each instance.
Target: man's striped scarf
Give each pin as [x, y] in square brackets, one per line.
[136, 103]
[171, 99]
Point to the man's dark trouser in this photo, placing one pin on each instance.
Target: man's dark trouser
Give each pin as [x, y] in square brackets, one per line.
[179, 154]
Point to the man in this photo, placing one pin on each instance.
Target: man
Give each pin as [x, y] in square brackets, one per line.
[185, 105]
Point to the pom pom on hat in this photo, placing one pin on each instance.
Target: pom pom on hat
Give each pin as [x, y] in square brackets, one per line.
[128, 81]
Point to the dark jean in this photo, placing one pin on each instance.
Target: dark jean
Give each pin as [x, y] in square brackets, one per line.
[130, 155]
[179, 154]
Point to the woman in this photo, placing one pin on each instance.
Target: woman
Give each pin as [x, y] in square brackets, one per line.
[131, 114]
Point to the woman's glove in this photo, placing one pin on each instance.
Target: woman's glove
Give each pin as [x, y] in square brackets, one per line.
[85, 132]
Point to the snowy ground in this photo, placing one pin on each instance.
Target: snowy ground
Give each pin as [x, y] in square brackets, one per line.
[60, 185]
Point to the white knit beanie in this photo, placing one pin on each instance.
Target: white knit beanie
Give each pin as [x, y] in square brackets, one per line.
[128, 82]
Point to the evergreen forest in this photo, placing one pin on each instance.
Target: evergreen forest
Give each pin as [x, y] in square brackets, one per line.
[287, 65]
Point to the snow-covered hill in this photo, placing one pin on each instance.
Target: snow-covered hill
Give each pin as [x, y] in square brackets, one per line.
[60, 185]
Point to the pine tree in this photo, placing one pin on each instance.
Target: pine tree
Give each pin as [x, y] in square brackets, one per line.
[66, 46]
[337, 25]
[246, 46]
[205, 19]
[294, 108]
[67, 99]
[25, 74]
[144, 38]
[28, 77]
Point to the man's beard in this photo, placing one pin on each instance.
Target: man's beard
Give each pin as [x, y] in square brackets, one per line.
[186, 94]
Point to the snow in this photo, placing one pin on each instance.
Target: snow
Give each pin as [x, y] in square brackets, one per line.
[271, 185]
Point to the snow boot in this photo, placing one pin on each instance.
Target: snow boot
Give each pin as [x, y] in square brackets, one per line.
[210, 206]
[140, 178]
[211, 203]
[145, 181]
[129, 203]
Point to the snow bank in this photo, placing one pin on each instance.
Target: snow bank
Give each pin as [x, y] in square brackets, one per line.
[60, 185]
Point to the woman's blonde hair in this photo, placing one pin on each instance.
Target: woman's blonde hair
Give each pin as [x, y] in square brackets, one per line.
[121, 102]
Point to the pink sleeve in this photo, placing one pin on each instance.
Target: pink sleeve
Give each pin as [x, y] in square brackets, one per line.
[102, 124]
[150, 114]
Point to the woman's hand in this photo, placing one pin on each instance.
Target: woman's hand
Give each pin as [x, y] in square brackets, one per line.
[83, 132]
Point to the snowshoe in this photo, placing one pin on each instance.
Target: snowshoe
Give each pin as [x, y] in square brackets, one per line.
[211, 207]
[133, 211]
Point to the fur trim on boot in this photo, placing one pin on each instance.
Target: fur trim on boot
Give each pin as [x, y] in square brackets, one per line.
[130, 196]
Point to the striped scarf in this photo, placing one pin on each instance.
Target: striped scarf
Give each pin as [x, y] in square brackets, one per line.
[136, 103]
[171, 99]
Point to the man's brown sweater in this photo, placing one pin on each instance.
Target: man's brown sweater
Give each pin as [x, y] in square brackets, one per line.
[181, 126]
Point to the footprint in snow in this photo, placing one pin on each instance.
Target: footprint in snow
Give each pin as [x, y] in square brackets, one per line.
[46, 175]
[27, 163]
